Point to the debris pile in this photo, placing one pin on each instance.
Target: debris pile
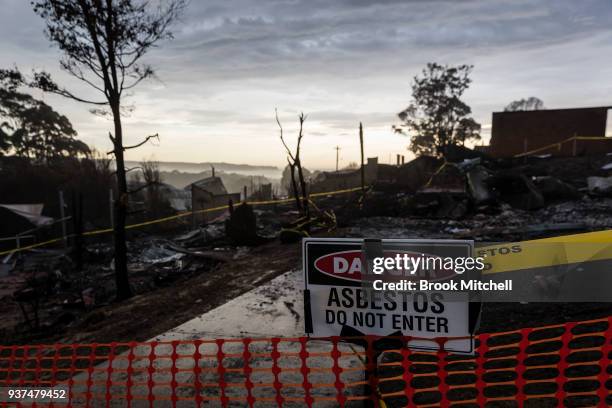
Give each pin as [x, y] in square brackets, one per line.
[477, 185]
[43, 291]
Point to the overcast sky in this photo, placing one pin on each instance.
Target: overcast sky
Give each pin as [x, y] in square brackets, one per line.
[343, 61]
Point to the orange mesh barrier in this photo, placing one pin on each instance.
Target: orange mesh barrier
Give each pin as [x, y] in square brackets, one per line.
[567, 364]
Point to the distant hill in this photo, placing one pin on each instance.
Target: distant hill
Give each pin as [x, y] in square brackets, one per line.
[247, 169]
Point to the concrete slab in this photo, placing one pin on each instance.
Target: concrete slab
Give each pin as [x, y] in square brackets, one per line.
[274, 309]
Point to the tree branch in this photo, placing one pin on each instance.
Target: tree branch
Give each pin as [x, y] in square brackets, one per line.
[281, 136]
[78, 73]
[155, 136]
[128, 169]
[302, 119]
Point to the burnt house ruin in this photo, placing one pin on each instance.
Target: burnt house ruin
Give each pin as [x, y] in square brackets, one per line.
[209, 193]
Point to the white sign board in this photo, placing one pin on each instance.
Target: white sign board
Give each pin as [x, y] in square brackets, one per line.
[340, 300]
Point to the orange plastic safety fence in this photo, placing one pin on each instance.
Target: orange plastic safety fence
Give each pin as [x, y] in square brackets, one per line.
[567, 364]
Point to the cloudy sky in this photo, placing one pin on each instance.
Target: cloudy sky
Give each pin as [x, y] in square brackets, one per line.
[232, 62]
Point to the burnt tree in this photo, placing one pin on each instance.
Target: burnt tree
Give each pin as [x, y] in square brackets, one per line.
[103, 42]
[295, 164]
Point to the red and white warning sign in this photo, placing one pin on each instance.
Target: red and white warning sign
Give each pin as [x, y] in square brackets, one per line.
[340, 300]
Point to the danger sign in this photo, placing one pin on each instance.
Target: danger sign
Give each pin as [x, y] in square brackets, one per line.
[341, 300]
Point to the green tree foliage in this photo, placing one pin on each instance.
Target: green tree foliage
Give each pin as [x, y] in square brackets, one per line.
[531, 103]
[437, 117]
[31, 128]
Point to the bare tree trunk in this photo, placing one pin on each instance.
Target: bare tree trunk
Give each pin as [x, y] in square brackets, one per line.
[305, 205]
[121, 272]
[294, 187]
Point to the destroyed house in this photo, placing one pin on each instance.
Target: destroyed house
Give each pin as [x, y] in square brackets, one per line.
[21, 224]
[343, 179]
[558, 132]
[177, 198]
[263, 193]
[206, 194]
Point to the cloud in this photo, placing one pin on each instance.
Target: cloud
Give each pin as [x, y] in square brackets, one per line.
[233, 61]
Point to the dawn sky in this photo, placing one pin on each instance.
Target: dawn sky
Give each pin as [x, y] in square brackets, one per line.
[233, 61]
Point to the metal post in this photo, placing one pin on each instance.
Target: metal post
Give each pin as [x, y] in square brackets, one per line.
[77, 219]
[63, 217]
[111, 200]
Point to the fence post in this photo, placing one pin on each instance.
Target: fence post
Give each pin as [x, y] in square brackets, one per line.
[77, 219]
[112, 212]
[63, 217]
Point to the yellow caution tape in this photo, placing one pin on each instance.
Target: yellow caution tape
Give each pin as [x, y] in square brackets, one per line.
[181, 215]
[547, 252]
[33, 246]
[558, 144]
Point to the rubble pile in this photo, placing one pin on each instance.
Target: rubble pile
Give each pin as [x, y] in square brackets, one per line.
[479, 190]
[44, 292]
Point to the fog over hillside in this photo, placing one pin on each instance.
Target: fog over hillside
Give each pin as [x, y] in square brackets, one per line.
[244, 169]
[235, 176]
[234, 182]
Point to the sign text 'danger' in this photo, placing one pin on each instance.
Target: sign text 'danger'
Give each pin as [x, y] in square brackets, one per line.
[349, 265]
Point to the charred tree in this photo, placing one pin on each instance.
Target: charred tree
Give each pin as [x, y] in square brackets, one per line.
[294, 187]
[295, 165]
[103, 42]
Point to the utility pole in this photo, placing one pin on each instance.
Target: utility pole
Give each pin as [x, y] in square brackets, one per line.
[337, 148]
[362, 164]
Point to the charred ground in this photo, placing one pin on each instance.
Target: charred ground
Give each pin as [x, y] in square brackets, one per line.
[179, 272]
